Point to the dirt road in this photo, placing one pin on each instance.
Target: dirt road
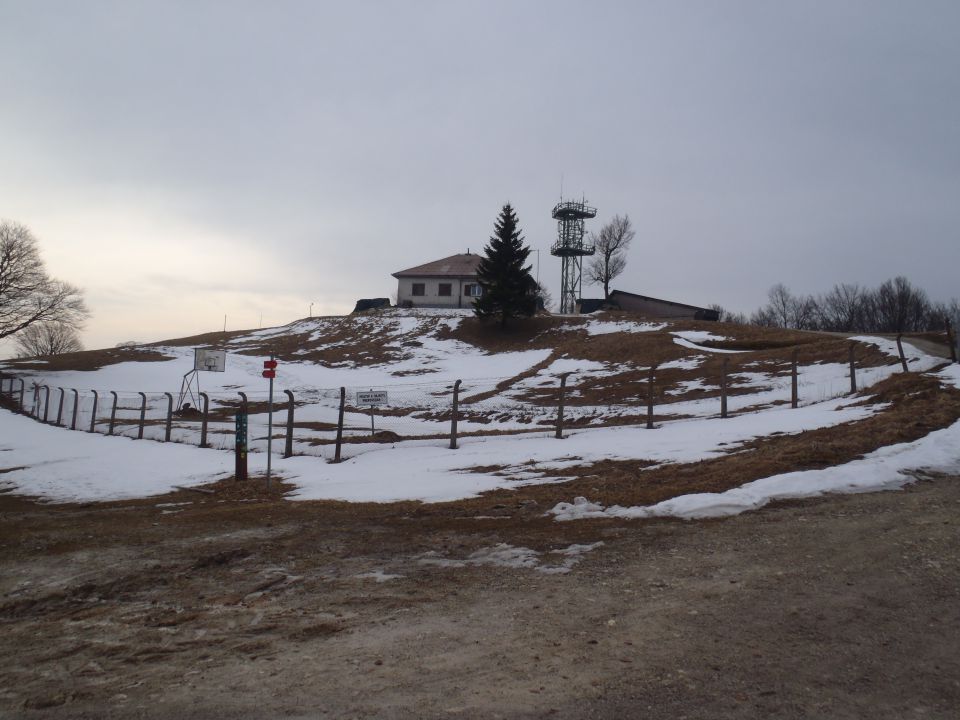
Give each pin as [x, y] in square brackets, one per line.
[238, 605]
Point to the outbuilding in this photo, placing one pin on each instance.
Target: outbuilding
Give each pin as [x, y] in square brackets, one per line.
[648, 306]
[447, 283]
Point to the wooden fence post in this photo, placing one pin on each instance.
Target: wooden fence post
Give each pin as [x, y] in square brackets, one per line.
[650, 379]
[903, 358]
[143, 414]
[794, 396]
[76, 402]
[723, 388]
[23, 387]
[343, 400]
[46, 402]
[288, 444]
[113, 413]
[93, 415]
[853, 369]
[166, 430]
[952, 340]
[203, 422]
[35, 411]
[563, 388]
[453, 415]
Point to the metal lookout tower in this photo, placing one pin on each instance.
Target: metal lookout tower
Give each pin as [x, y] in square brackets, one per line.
[570, 249]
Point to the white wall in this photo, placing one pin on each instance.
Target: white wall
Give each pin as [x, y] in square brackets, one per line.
[432, 297]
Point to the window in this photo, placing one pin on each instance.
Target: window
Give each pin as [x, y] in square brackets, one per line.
[419, 289]
[446, 290]
[471, 290]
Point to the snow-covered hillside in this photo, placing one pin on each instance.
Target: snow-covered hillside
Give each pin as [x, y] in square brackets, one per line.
[508, 403]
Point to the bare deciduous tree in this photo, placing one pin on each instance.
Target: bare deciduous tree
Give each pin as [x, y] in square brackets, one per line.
[611, 245]
[47, 338]
[27, 294]
[900, 307]
[843, 309]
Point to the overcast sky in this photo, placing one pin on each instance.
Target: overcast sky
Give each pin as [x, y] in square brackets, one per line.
[186, 161]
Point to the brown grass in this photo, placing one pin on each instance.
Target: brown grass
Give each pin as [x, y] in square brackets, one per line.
[919, 404]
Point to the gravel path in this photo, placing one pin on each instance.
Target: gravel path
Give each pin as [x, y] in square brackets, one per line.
[845, 607]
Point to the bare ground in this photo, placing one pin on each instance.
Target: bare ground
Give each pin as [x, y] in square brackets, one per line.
[240, 604]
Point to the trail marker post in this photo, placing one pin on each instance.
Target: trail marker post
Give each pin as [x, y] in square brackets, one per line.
[269, 372]
[240, 440]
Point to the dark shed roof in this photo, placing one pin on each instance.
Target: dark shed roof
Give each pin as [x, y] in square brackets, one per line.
[463, 265]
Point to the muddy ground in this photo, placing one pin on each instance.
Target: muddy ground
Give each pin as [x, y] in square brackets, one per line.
[241, 605]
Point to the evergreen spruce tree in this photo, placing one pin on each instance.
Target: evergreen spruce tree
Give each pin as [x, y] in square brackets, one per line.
[508, 288]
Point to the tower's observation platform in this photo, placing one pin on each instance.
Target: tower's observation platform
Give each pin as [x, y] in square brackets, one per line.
[570, 216]
[569, 247]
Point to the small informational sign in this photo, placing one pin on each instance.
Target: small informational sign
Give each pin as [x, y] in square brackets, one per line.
[210, 360]
[371, 397]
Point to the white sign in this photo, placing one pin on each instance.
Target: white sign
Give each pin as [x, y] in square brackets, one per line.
[372, 397]
[210, 360]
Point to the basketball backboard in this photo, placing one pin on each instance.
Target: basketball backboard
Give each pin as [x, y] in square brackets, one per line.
[209, 360]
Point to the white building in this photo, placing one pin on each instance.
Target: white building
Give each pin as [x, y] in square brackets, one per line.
[447, 283]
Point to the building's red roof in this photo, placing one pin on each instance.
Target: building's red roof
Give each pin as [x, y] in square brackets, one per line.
[456, 266]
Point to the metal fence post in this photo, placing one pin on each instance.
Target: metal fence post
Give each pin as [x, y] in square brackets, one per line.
[723, 387]
[35, 407]
[203, 422]
[853, 369]
[93, 415]
[794, 397]
[653, 370]
[113, 413]
[166, 432]
[76, 403]
[563, 389]
[343, 400]
[60, 406]
[453, 415]
[143, 414]
[288, 444]
[903, 358]
[46, 402]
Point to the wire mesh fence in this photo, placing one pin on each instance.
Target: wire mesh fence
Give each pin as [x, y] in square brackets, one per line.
[341, 422]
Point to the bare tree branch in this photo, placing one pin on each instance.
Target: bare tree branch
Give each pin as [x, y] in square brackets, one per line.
[47, 338]
[27, 294]
[610, 260]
